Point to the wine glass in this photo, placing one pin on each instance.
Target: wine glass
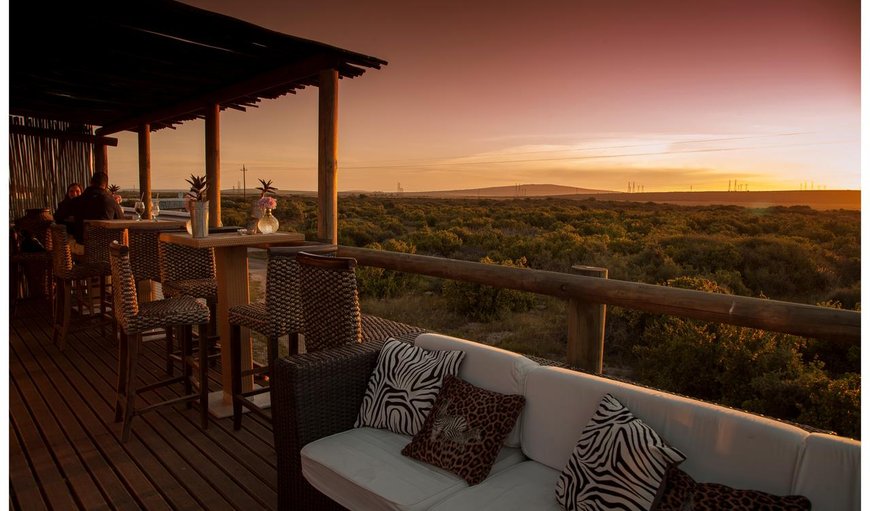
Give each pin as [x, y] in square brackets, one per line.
[155, 209]
[139, 207]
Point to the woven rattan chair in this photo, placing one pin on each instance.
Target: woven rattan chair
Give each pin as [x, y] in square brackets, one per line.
[284, 310]
[69, 278]
[144, 255]
[187, 271]
[181, 312]
[279, 315]
[330, 302]
[97, 240]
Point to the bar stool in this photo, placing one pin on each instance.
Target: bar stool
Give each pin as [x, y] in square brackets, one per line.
[330, 302]
[68, 278]
[97, 241]
[187, 271]
[133, 319]
[279, 315]
[282, 313]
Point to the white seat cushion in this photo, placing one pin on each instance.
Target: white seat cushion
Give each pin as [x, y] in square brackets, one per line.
[528, 486]
[486, 367]
[363, 469]
[721, 445]
[829, 473]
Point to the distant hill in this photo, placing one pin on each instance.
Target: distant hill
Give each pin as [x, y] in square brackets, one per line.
[530, 190]
[816, 199]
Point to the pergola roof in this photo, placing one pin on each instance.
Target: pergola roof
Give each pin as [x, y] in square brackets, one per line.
[119, 64]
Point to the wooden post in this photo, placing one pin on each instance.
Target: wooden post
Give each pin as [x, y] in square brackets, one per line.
[213, 163]
[101, 157]
[145, 167]
[327, 158]
[586, 327]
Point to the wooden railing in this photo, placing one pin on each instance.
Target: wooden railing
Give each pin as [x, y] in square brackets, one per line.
[772, 315]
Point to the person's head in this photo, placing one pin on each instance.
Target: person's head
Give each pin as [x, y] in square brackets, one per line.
[100, 179]
[73, 190]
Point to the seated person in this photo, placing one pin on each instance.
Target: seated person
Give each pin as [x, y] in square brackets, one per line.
[64, 212]
[95, 203]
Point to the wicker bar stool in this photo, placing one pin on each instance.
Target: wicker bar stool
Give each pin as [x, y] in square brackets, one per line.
[186, 271]
[283, 313]
[97, 241]
[144, 254]
[182, 312]
[330, 302]
[279, 315]
[69, 278]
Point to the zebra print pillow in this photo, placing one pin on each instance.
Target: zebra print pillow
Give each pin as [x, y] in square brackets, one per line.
[618, 463]
[404, 385]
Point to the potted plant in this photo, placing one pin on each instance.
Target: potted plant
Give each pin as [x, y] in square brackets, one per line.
[197, 205]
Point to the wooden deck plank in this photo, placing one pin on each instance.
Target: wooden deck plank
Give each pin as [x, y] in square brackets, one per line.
[182, 428]
[168, 462]
[179, 468]
[47, 473]
[114, 470]
[24, 492]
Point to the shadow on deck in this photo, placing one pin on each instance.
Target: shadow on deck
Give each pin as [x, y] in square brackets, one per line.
[65, 450]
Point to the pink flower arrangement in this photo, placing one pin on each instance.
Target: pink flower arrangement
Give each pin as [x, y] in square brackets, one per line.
[267, 203]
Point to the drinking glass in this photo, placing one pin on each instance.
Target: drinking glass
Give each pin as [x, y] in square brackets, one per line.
[155, 209]
[139, 207]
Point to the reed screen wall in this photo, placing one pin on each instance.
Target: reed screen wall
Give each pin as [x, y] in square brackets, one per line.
[40, 168]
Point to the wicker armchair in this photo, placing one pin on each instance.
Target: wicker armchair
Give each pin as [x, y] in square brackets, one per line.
[186, 271]
[69, 278]
[315, 395]
[133, 319]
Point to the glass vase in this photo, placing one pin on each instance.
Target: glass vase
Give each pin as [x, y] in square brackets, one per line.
[268, 224]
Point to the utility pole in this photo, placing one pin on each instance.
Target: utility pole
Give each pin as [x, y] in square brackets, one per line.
[244, 183]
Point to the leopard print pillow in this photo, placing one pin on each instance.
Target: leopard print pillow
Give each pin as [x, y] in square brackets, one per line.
[682, 493]
[465, 429]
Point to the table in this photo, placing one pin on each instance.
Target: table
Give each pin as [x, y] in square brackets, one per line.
[144, 225]
[231, 267]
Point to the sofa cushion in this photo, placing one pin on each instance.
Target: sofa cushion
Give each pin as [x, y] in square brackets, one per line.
[465, 430]
[682, 493]
[619, 462]
[721, 445]
[829, 472]
[527, 486]
[404, 385]
[363, 469]
[486, 367]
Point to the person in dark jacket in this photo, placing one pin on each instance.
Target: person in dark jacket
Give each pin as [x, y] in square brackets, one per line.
[95, 203]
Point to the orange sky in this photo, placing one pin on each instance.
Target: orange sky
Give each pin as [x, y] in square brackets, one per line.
[670, 94]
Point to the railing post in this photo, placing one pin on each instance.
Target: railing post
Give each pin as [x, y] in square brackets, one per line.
[586, 327]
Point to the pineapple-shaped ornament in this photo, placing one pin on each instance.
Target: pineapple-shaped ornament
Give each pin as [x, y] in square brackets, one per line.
[197, 205]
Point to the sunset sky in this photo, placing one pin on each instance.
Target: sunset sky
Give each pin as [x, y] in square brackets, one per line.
[670, 94]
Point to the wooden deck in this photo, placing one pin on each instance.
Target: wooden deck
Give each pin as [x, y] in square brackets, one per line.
[64, 448]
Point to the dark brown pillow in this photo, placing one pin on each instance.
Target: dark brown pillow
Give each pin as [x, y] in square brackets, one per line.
[465, 429]
[682, 493]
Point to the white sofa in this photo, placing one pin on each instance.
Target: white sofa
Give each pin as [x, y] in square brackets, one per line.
[362, 469]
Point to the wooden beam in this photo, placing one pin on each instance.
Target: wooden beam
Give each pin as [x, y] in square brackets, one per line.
[101, 158]
[17, 129]
[250, 87]
[841, 326]
[213, 163]
[327, 157]
[145, 167]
